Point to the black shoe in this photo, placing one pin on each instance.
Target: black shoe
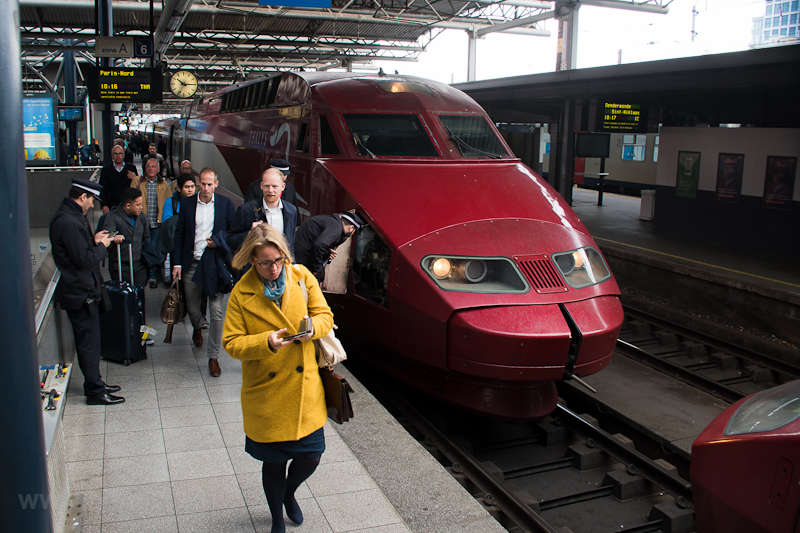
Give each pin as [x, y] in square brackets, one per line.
[104, 399]
[153, 284]
[113, 388]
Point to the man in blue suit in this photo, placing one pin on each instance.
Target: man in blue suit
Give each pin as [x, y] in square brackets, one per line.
[203, 259]
[271, 209]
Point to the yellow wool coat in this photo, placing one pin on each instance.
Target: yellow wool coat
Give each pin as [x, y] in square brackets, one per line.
[164, 192]
[282, 394]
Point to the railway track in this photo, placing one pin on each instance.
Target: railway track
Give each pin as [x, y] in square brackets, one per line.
[719, 366]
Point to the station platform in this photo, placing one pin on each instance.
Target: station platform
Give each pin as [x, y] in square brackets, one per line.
[171, 458]
[742, 287]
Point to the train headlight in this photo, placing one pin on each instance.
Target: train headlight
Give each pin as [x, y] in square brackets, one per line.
[475, 274]
[766, 410]
[441, 267]
[582, 267]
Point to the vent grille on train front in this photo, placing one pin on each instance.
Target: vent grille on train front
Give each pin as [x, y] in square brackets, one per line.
[541, 273]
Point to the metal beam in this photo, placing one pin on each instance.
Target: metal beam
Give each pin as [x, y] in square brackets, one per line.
[631, 6]
[515, 23]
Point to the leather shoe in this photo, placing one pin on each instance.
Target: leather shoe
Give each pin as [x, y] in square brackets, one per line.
[197, 338]
[213, 368]
[104, 399]
[113, 388]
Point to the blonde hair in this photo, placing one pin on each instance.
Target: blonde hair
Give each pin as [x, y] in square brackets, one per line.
[261, 235]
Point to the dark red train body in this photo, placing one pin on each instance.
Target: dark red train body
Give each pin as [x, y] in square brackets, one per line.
[454, 287]
[746, 466]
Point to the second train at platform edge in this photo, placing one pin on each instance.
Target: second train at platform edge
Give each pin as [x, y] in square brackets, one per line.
[473, 281]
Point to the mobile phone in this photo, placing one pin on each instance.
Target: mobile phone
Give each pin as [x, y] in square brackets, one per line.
[305, 329]
[112, 233]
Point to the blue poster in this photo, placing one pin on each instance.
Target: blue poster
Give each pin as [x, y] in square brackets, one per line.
[39, 127]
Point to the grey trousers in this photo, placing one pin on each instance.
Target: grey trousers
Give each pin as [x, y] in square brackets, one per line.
[216, 310]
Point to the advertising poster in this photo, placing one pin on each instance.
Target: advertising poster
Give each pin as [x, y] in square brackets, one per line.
[39, 128]
[729, 178]
[688, 174]
[779, 182]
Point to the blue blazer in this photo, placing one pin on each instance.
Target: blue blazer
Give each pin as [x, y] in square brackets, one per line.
[183, 250]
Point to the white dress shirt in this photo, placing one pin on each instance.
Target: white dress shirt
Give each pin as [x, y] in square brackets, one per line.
[274, 215]
[203, 226]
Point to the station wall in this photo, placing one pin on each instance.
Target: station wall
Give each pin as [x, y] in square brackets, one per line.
[747, 220]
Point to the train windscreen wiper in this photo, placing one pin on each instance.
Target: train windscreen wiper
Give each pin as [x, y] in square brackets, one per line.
[359, 142]
[464, 145]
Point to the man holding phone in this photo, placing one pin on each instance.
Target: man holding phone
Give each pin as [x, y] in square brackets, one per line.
[77, 254]
[128, 220]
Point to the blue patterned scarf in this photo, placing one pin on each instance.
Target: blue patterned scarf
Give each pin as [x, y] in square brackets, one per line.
[274, 289]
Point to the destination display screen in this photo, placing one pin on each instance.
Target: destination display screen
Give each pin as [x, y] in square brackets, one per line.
[114, 84]
[622, 116]
[70, 113]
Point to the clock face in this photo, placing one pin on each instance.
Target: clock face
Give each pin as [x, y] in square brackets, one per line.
[183, 84]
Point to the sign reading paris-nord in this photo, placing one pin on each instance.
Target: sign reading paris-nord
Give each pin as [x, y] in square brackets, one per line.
[115, 84]
[296, 3]
[621, 116]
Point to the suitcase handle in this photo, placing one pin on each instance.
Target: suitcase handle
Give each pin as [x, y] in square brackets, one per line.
[130, 258]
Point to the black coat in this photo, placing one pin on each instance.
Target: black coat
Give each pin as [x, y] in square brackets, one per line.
[254, 192]
[313, 240]
[183, 250]
[76, 256]
[114, 184]
[136, 236]
[245, 216]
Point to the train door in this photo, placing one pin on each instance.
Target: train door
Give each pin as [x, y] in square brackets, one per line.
[337, 271]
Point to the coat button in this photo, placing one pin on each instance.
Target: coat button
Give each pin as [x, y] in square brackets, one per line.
[299, 368]
[272, 374]
[297, 342]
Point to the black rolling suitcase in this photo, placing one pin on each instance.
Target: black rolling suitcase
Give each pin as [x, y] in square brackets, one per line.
[120, 336]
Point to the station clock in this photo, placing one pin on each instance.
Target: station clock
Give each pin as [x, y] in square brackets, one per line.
[183, 84]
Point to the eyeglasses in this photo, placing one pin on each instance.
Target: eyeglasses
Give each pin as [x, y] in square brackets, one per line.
[270, 264]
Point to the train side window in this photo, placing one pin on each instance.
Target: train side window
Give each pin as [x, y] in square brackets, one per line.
[372, 260]
[273, 90]
[655, 150]
[327, 140]
[262, 97]
[633, 147]
[302, 138]
[249, 98]
[390, 135]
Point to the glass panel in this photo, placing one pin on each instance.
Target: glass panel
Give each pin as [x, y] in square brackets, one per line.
[769, 10]
[768, 23]
[785, 20]
[327, 140]
[473, 136]
[641, 140]
[389, 135]
[301, 138]
[627, 139]
[631, 152]
[655, 154]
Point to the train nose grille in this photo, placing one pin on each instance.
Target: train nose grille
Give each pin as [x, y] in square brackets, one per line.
[541, 273]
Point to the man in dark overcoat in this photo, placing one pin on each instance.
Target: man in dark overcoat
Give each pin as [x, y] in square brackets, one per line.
[316, 240]
[77, 254]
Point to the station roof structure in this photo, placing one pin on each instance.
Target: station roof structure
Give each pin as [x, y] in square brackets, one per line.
[223, 41]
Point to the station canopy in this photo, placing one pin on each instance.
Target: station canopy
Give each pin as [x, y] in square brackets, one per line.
[226, 41]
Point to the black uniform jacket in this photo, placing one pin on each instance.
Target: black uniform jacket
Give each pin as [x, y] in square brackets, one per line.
[76, 256]
[245, 216]
[314, 238]
[254, 192]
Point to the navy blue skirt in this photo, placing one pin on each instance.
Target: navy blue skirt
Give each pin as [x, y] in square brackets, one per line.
[279, 452]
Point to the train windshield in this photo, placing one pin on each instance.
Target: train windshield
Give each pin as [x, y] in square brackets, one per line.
[473, 136]
[390, 135]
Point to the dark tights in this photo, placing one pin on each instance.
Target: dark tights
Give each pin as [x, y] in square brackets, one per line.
[280, 488]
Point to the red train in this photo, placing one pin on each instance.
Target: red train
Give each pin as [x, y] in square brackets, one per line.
[746, 466]
[475, 281]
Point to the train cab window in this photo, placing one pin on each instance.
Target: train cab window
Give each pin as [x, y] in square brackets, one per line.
[327, 140]
[633, 147]
[390, 135]
[372, 260]
[303, 139]
[473, 136]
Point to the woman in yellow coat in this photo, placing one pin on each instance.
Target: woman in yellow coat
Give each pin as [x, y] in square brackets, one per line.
[283, 401]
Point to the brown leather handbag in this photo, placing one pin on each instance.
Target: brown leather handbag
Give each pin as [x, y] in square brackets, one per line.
[337, 396]
[173, 310]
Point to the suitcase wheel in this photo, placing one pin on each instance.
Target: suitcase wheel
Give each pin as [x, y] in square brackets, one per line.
[126, 362]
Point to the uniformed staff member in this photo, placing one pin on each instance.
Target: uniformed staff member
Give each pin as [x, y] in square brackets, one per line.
[77, 254]
[316, 240]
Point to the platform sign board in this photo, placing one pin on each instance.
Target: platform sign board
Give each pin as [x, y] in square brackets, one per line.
[688, 174]
[729, 178]
[40, 129]
[120, 85]
[621, 117]
[296, 3]
[143, 47]
[779, 182]
[113, 46]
